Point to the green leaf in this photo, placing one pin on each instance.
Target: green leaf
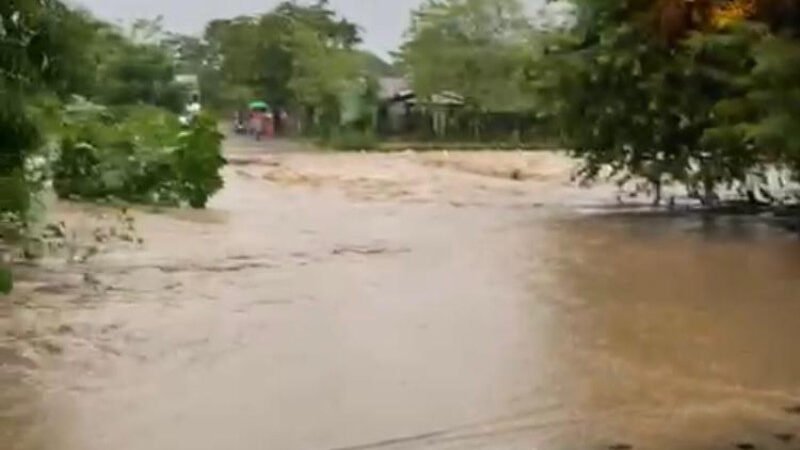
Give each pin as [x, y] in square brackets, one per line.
[6, 281]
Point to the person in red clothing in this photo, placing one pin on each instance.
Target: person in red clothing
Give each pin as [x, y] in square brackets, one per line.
[269, 125]
[256, 125]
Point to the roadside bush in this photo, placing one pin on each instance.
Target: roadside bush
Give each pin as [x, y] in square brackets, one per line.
[6, 280]
[350, 139]
[196, 162]
[137, 154]
[15, 198]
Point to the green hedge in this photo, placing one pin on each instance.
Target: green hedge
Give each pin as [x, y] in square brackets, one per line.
[137, 154]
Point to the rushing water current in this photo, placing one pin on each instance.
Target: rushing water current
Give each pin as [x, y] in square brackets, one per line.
[408, 302]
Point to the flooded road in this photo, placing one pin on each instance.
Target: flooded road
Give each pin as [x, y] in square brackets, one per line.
[408, 301]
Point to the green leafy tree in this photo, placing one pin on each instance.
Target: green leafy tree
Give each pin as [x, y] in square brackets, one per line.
[27, 61]
[197, 161]
[137, 154]
[135, 151]
[670, 91]
[775, 96]
[136, 69]
[259, 53]
[764, 114]
[617, 102]
[476, 48]
[190, 54]
[319, 75]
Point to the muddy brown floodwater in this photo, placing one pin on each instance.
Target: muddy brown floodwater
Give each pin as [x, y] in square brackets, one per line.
[405, 301]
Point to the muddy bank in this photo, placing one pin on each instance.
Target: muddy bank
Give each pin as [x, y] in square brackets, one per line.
[408, 301]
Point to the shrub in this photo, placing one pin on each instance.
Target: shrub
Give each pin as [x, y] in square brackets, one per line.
[349, 139]
[137, 154]
[6, 280]
[15, 196]
[197, 161]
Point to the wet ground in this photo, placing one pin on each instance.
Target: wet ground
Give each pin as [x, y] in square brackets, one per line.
[408, 301]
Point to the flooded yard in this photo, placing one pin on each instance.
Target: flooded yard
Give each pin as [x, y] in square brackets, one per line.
[408, 301]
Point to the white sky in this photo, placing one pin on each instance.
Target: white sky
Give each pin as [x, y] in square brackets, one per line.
[383, 21]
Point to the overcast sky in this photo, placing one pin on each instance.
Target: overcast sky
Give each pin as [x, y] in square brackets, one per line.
[383, 21]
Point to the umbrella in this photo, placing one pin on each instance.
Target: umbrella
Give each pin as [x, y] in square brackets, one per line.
[259, 105]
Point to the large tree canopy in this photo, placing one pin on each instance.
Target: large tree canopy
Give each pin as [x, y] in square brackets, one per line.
[476, 48]
[49, 54]
[702, 92]
[263, 52]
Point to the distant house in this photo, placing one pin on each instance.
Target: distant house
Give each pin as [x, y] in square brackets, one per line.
[399, 103]
[393, 89]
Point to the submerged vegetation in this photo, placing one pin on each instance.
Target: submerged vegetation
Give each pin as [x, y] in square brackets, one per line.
[137, 154]
[88, 110]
